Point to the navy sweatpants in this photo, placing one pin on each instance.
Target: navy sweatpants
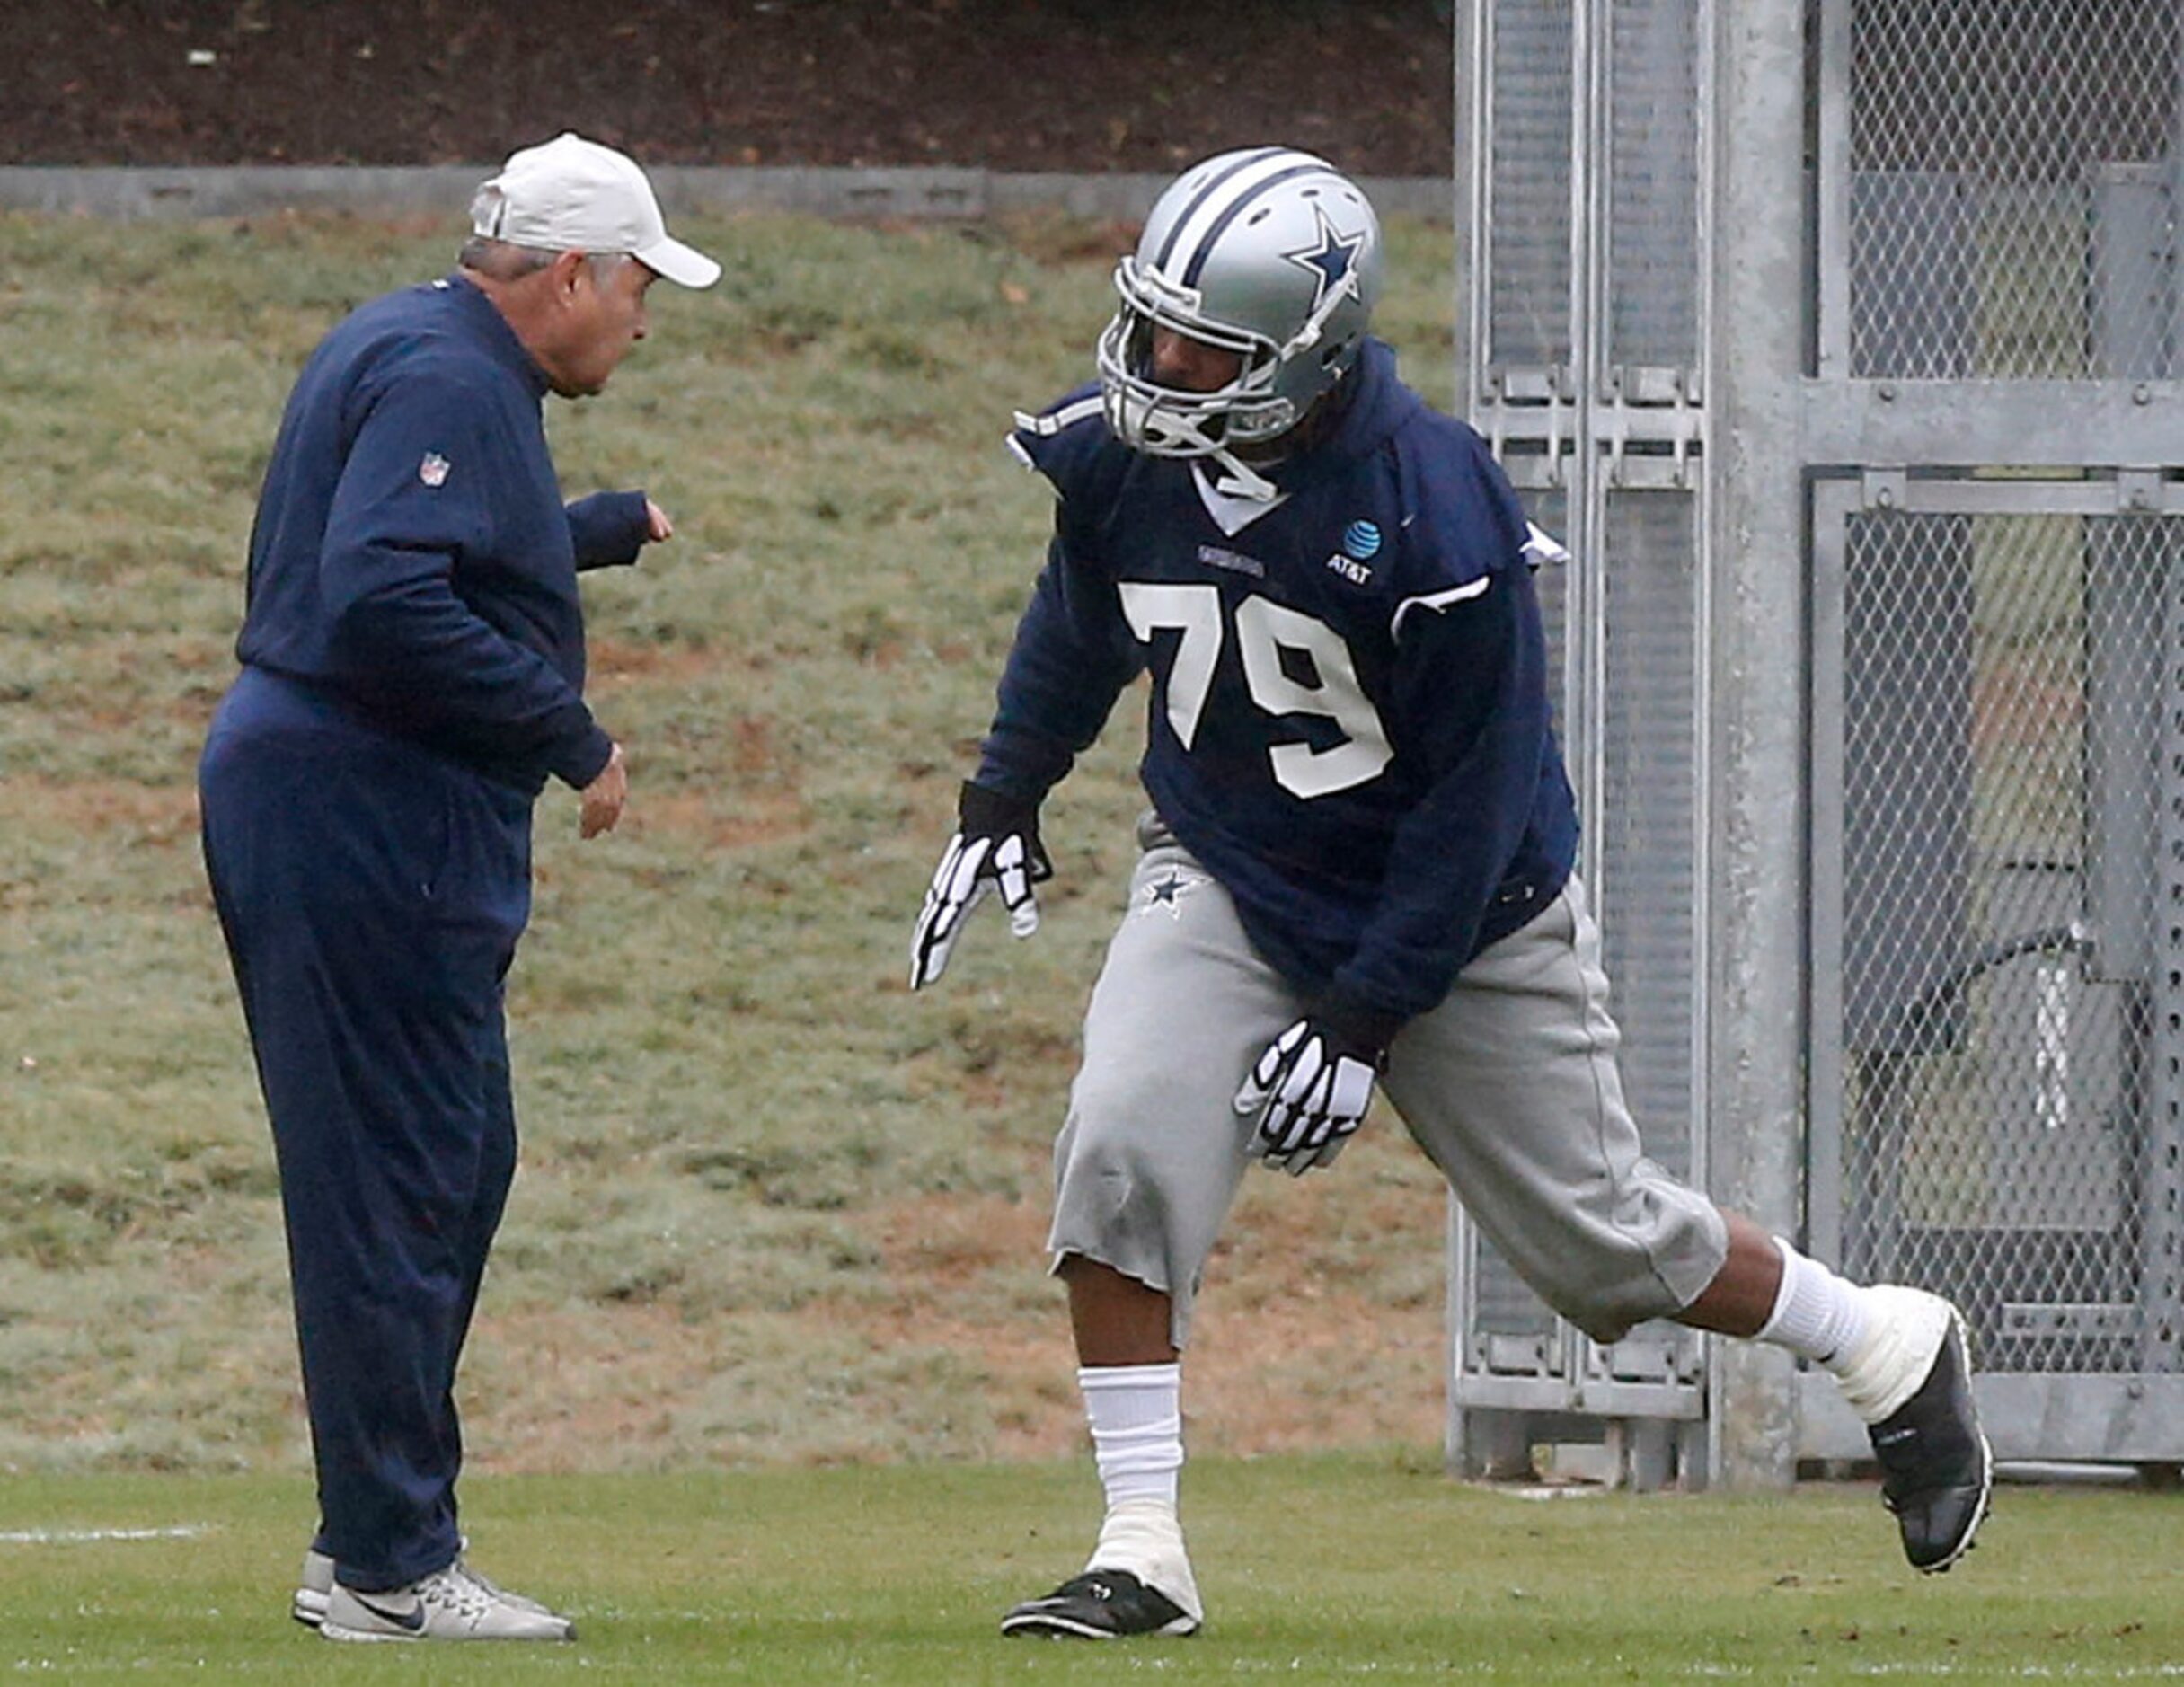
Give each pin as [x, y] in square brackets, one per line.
[372, 894]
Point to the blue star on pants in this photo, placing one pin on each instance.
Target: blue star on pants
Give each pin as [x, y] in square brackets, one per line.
[1167, 893]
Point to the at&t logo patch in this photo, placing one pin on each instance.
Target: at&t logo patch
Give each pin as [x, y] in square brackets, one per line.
[1360, 539]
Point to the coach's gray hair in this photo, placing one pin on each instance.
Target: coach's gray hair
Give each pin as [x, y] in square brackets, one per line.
[504, 261]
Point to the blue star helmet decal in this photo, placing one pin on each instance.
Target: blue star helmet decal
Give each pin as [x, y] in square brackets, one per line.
[1331, 261]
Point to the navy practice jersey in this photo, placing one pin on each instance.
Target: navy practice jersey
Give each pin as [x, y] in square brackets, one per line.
[1349, 725]
[413, 561]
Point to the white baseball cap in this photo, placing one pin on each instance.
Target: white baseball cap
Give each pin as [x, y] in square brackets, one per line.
[569, 194]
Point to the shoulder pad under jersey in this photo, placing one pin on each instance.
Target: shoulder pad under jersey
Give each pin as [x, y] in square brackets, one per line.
[1463, 522]
[1067, 441]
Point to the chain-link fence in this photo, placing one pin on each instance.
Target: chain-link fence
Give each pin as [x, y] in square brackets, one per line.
[2003, 776]
[2013, 174]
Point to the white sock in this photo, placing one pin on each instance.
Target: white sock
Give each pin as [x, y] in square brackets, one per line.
[1817, 1315]
[1136, 1417]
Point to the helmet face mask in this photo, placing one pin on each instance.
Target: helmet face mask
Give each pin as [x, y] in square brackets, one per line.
[1270, 253]
[1170, 421]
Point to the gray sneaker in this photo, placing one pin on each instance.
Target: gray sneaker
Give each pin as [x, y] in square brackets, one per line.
[449, 1604]
[314, 1587]
[522, 1602]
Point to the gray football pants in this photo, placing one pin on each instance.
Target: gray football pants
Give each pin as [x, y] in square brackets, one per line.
[1510, 1085]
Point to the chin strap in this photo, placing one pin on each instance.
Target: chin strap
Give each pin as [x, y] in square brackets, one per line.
[1239, 479]
[1308, 335]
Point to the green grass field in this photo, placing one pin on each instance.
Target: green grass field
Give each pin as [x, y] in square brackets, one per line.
[1360, 1567]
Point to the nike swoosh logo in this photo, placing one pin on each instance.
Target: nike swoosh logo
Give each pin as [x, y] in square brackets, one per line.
[412, 1618]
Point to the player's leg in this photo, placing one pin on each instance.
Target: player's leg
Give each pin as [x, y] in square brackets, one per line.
[291, 818]
[488, 1200]
[1902, 1359]
[1146, 1168]
[1511, 1086]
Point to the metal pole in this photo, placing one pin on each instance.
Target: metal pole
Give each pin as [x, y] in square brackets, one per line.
[1756, 543]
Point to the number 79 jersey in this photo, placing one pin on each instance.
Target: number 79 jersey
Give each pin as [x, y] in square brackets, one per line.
[1348, 723]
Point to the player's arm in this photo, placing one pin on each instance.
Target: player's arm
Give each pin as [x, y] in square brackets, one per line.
[1072, 655]
[404, 638]
[1071, 658]
[1468, 688]
[1469, 701]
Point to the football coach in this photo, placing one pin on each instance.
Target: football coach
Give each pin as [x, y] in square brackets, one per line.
[413, 652]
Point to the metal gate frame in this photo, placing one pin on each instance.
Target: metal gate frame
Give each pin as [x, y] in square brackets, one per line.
[1776, 430]
[1606, 436]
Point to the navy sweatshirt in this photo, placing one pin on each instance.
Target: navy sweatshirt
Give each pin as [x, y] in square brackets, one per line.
[1349, 725]
[412, 559]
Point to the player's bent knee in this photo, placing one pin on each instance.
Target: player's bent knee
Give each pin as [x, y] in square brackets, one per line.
[1112, 1200]
[1111, 1173]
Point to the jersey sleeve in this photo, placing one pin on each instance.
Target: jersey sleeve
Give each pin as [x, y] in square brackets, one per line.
[415, 494]
[1072, 653]
[1470, 704]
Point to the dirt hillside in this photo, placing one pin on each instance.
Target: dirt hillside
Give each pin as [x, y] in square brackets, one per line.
[1015, 84]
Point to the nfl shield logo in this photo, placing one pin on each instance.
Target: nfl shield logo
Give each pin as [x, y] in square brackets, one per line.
[433, 470]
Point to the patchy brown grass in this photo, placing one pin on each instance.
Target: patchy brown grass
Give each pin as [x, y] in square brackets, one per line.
[616, 659]
[1298, 1346]
[161, 812]
[758, 816]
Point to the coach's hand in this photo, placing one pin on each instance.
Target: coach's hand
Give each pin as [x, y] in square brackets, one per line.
[996, 847]
[600, 802]
[1310, 1091]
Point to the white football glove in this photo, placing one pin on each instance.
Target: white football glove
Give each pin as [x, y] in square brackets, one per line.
[1310, 1091]
[996, 847]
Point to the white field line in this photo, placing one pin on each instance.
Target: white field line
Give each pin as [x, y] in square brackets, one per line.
[1543, 1492]
[77, 1537]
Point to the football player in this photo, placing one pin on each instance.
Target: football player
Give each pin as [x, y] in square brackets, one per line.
[1355, 871]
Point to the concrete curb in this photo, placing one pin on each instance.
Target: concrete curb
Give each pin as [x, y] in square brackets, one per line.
[965, 195]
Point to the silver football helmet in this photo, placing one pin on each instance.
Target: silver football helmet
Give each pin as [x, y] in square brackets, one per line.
[1268, 253]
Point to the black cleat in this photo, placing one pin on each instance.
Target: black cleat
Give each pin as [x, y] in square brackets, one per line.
[1100, 1605]
[1936, 1470]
